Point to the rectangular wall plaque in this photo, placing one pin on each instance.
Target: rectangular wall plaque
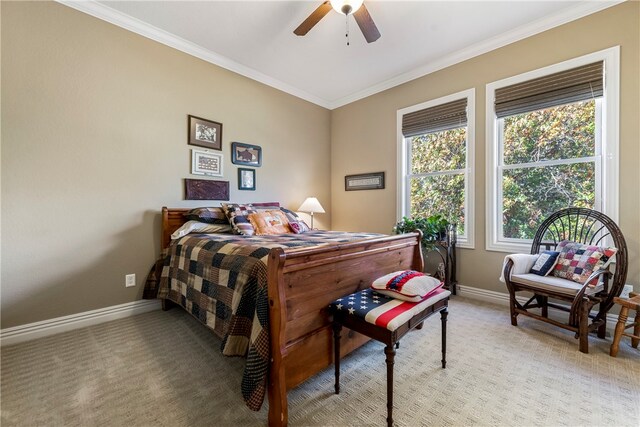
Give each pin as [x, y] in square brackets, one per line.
[205, 189]
[364, 181]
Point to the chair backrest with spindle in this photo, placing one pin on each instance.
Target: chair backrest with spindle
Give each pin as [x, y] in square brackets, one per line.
[589, 227]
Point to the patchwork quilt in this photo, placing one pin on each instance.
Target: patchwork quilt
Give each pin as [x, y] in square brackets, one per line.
[221, 279]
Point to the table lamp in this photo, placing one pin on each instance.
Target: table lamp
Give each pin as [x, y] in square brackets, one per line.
[311, 205]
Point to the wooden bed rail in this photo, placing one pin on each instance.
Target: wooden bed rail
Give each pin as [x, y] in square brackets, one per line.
[302, 283]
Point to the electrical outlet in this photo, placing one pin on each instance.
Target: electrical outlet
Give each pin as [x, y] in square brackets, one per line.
[626, 290]
[129, 280]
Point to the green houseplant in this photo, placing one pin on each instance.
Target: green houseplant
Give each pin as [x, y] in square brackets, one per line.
[434, 228]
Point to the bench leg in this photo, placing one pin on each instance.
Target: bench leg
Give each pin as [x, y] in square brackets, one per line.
[337, 328]
[390, 351]
[583, 326]
[443, 317]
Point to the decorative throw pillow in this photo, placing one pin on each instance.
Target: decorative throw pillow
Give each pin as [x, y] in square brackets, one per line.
[237, 216]
[406, 285]
[545, 263]
[212, 215]
[298, 227]
[577, 261]
[269, 222]
[266, 205]
[200, 227]
[295, 222]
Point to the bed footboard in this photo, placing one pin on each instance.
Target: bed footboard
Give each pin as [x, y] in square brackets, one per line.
[302, 283]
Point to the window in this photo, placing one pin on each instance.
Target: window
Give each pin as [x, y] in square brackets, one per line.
[435, 155]
[552, 142]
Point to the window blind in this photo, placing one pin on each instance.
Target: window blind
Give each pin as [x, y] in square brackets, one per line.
[435, 119]
[577, 84]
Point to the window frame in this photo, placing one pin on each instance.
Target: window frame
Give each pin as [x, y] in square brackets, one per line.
[403, 162]
[607, 145]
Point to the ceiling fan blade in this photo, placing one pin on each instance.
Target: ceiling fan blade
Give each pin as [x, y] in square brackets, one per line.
[313, 19]
[366, 24]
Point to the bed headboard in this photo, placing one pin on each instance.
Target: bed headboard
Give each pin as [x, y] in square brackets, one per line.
[172, 219]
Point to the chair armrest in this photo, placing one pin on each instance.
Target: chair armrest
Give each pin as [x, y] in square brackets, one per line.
[522, 263]
[595, 275]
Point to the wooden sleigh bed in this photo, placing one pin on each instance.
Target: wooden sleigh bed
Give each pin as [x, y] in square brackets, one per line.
[301, 284]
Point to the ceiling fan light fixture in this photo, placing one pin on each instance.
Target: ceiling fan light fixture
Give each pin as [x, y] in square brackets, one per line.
[346, 7]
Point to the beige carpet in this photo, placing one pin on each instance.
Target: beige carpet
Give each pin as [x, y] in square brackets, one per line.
[164, 369]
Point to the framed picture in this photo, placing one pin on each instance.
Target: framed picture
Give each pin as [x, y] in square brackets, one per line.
[246, 179]
[206, 163]
[246, 154]
[364, 181]
[204, 189]
[205, 133]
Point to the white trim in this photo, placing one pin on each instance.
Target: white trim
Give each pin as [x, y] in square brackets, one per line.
[45, 328]
[502, 299]
[127, 22]
[609, 134]
[108, 14]
[544, 163]
[402, 162]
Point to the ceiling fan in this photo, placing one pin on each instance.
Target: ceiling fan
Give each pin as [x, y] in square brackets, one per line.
[345, 7]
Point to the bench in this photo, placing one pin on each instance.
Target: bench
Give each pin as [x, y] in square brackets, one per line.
[386, 320]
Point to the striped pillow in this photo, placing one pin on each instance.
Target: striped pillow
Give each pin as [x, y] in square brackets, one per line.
[266, 205]
[210, 215]
[406, 285]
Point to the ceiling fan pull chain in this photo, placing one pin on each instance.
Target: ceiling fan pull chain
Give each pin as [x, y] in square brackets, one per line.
[347, 28]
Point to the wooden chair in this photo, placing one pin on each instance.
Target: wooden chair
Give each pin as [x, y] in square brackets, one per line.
[632, 303]
[577, 225]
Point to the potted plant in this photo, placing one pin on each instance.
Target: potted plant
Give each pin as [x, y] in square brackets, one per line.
[434, 228]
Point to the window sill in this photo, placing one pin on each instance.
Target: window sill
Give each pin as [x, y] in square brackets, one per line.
[465, 245]
[514, 248]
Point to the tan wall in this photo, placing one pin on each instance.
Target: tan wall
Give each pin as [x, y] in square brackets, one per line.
[363, 134]
[94, 127]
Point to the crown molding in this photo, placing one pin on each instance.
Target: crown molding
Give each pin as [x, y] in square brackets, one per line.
[115, 17]
[101, 11]
[520, 33]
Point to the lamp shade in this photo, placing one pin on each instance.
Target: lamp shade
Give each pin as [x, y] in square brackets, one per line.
[311, 205]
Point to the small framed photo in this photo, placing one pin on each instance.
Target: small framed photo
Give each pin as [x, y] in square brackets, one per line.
[205, 133]
[246, 179]
[206, 163]
[246, 154]
[364, 181]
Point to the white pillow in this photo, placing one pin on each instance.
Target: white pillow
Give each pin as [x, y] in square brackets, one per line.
[200, 227]
[407, 285]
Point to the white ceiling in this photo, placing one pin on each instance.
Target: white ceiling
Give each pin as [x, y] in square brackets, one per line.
[255, 38]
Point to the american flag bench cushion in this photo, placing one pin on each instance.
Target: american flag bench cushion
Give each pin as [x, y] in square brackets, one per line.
[384, 311]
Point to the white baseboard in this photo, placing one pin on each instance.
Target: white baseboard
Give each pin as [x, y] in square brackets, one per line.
[502, 298]
[17, 334]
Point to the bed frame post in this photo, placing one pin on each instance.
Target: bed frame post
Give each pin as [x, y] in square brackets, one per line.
[418, 258]
[277, 384]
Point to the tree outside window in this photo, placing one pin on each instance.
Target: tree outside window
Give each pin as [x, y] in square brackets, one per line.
[549, 161]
